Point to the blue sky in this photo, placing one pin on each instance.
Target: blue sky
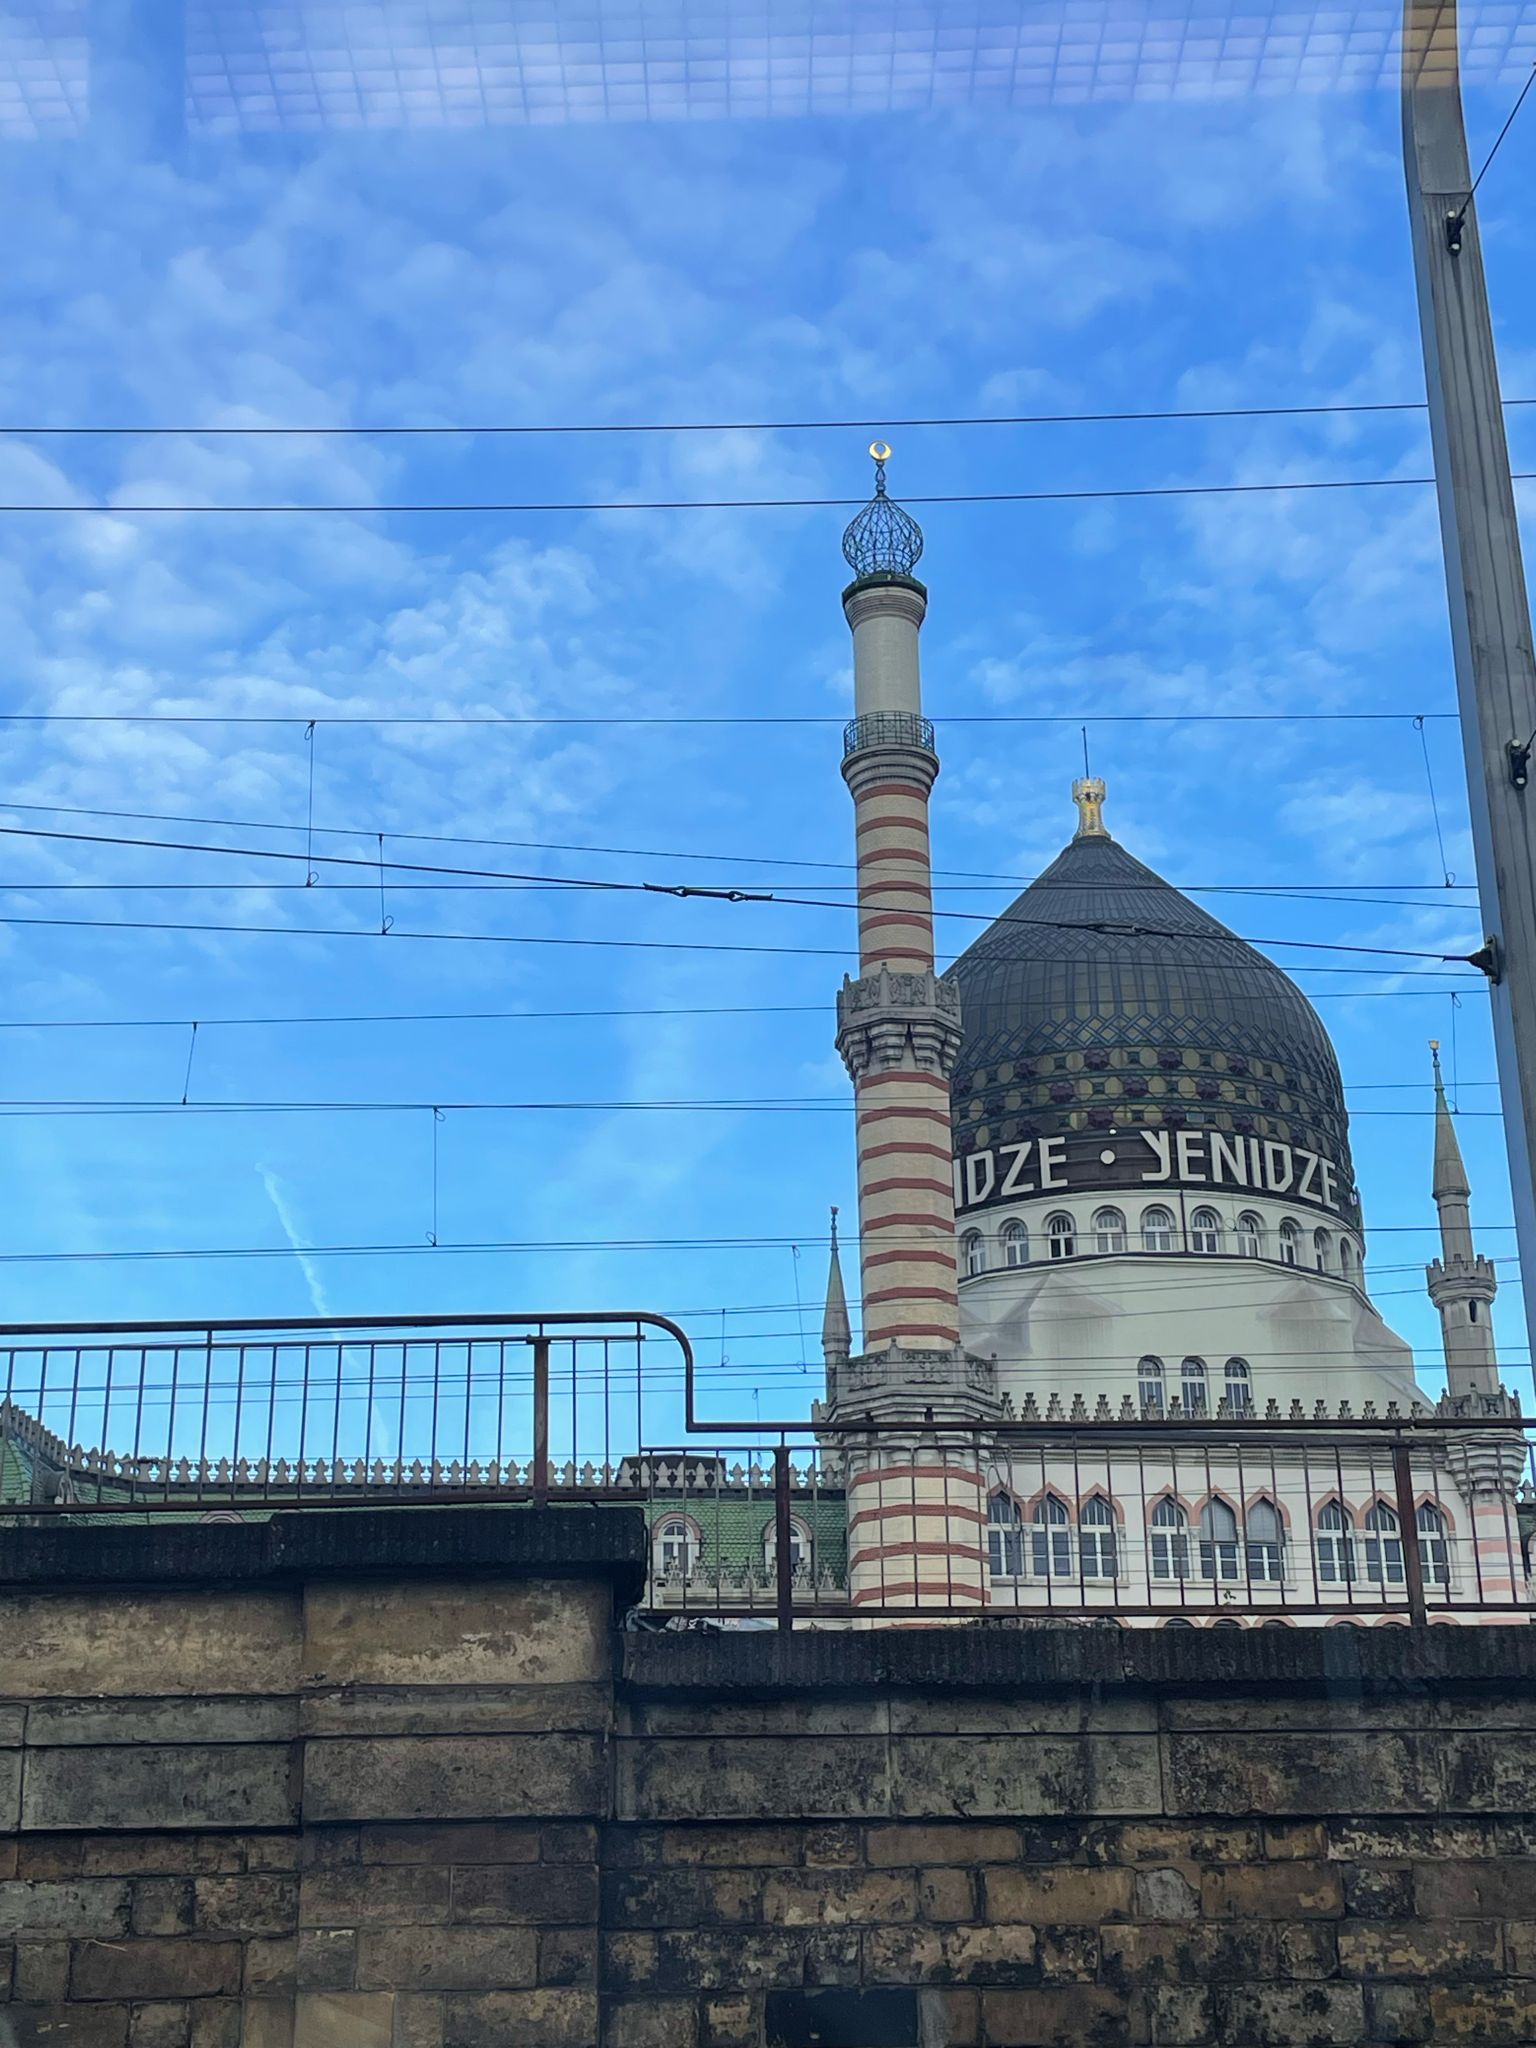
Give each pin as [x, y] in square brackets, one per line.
[924, 260]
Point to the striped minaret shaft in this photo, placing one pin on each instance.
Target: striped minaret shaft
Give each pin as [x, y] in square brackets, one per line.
[896, 1033]
[916, 1493]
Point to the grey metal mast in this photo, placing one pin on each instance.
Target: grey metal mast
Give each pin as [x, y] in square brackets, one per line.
[1489, 606]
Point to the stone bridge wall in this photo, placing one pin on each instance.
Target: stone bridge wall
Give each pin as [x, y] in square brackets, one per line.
[393, 1781]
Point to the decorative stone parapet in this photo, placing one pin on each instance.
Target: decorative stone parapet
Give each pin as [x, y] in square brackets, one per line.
[909, 1385]
[887, 1021]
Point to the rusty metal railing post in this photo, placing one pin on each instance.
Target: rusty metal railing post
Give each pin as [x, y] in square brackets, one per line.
[784, 1565]
[1408, 1525]
[540, 1420]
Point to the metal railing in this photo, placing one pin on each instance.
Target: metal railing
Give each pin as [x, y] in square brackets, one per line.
[1053, 1514]
[169, 1416]
[888, 729]
[1173, 1523]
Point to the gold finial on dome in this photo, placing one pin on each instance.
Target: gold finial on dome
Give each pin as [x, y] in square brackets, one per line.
[1088, 795]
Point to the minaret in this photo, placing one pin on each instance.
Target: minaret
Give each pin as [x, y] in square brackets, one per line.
[836, 1336]
[1487, 1469]
[1461, 1283]
[898, 1025]
[916, 1493]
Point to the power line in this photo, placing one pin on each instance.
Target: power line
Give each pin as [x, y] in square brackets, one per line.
[799, 1105]
[480, 507]
[1319, 889]
[1017, 419]
[1453, 226]
[400, 885]
[398, 932]
[380, 866]
[550, 1016]
[1168, 1284]
[828, 718]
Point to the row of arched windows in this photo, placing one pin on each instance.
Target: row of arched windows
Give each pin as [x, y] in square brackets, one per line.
[1194, 1386]
[676, 1543]
[1159, 1232]
[1213, 1547]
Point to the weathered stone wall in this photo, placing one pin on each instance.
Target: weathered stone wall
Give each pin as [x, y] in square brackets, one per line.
[1143, 1866]
[351, 1805]
[373, 1781]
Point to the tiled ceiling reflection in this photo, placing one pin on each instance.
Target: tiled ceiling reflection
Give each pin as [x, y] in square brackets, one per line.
[44, 69]
[321, 64]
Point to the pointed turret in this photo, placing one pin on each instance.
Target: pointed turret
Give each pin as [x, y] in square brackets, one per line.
[836, 1333]
[1450, 1182]
[1461, 1284]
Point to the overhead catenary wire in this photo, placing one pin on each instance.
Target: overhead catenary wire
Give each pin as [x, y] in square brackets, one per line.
[781, 1105]
[1018, 882]
[485, 507]
[339, 430]
[376, 867]
[552, 1016]
[663, 718]
[401, 933]
[1460, 215]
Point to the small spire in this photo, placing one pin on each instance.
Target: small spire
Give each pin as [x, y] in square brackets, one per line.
[1450, 1169]
[836, 1331]
[1088, 795]
[883, 540]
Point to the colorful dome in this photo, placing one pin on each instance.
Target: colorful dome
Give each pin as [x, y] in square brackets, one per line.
[1103, 998]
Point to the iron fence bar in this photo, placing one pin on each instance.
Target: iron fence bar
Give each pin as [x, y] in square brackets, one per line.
[784, 1578]
[540, 1418]
[1407, 1515]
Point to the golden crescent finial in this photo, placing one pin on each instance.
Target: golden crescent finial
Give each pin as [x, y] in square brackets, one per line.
[1434, 1045]
[880, 450]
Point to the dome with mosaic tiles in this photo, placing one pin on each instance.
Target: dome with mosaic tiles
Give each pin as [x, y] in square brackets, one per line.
[1103, 998]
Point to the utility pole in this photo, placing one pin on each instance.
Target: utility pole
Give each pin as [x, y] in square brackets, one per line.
[1489, 606]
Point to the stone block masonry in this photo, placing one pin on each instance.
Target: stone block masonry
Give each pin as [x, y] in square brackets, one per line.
[399, 1784]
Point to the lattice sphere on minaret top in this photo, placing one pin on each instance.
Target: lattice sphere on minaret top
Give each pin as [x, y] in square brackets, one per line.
[883, 540]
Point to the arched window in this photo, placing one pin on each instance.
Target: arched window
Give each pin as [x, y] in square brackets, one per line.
[1266, 1542]
[1290, 1244]
[1109, 1231]
[1322, 1250]
[1205, 1231]
[1346, 1258]
[1335, 1546]
[1250, 1236]
[973, 1253]
[1015, 1239]
[1192, 1388]
[1177, 1621]
[1062, 1234]
[1149, 1385]
[1276, 1622]
[1005, 1537]
[1170, 1540]
[1239, 1387]
[1218, 1541]
[1226, 1622]
[1157, 1229]
[799, 1549]
[675, 1547]
[1383, 1546]
[1052, 1544]
[1434, 1548]
[1096, 1539]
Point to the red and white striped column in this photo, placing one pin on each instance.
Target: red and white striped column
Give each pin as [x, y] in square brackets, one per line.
[917, 1515]
[898, 1030]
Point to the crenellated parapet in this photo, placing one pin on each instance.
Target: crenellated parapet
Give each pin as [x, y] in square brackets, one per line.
[887, 1022]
